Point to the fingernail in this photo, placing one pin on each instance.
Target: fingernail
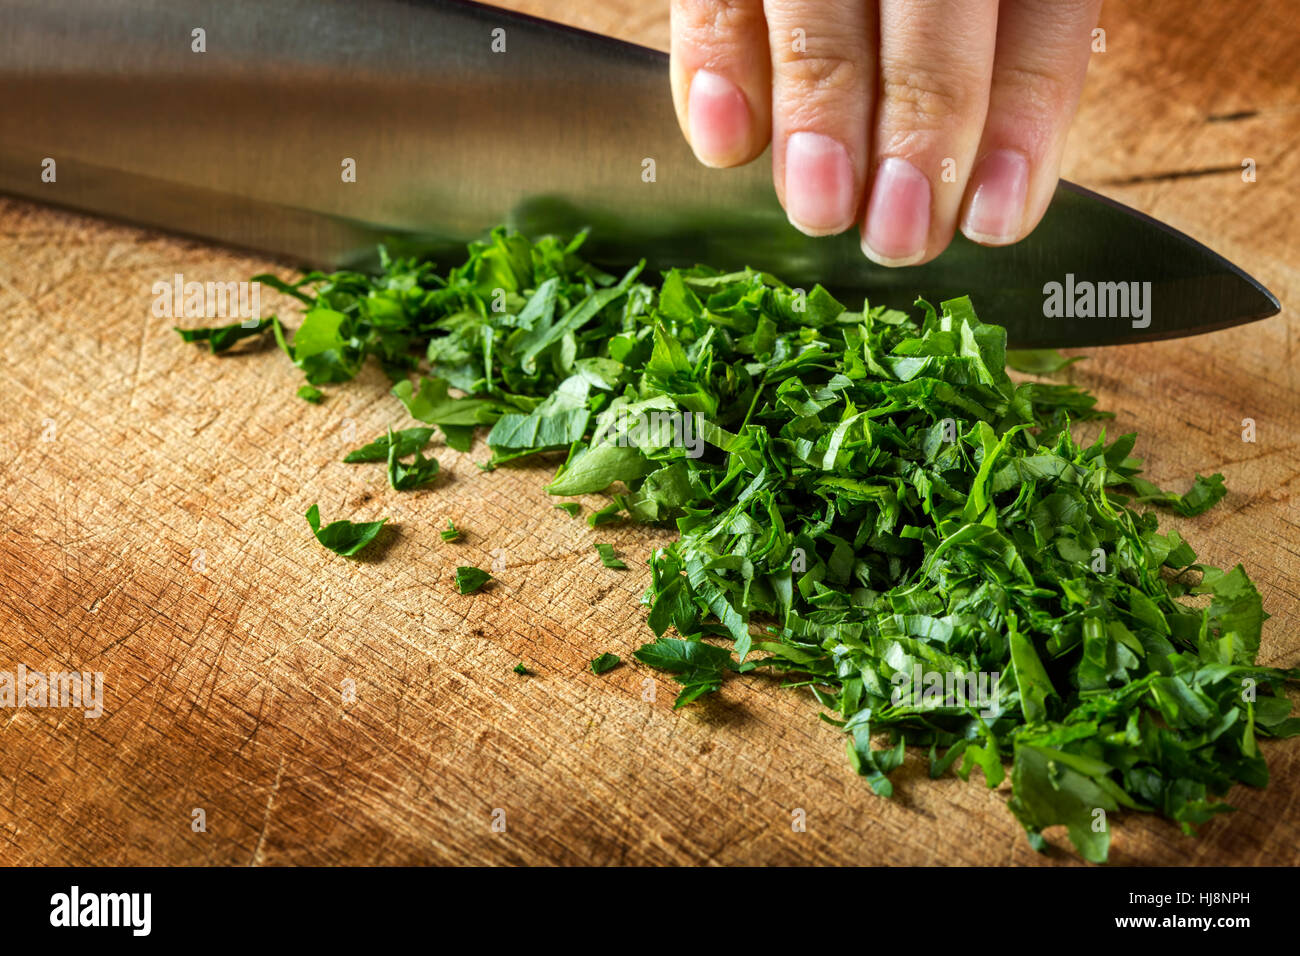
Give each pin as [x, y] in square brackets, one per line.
[719, 119]
[818, 184]
[898, 216]
[997, 205]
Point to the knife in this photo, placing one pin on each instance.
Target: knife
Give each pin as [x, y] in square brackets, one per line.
[239, 121]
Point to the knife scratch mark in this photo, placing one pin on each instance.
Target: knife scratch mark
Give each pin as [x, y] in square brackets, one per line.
[1231, 117]
[266, 816]
[1170, 175]
[139, 359]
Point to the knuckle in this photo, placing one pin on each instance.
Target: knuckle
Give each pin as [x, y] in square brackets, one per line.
[710, 21]
[1039, 89]
[1060, 11]
[822, 92]
[905, 142]
[828, 72]
[716, 34]
[925, 98]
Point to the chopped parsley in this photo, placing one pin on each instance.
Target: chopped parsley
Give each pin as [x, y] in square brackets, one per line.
[867, 506]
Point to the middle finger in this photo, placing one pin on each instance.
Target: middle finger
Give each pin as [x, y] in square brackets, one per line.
[936, 64]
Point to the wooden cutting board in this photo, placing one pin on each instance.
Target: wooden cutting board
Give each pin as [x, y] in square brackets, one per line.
[151, 527]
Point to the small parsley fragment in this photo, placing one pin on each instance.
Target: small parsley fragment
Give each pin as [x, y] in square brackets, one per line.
[1204, 494]
[288, 288]
[394, 446]
[697, 666]
[222, 337]
[1039, 361]
[403, 477]
[408, 442]
[571, 508]
[343, 537]
[605, 515]
[609, 558]
[521, 670]
[310, 393]
[605, 662]
[451, 533]
[431, 403]
[469, 579]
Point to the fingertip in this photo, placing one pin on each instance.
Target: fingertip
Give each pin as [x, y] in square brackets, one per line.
[897, 225]
[719, 120]
[820, 188]
[995, 209]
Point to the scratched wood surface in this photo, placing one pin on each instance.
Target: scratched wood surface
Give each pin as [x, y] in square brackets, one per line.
[151, 528]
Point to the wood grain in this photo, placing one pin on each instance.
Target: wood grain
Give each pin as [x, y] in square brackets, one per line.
[127, 457]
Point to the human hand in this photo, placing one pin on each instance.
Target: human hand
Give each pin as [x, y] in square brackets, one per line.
[902, 116]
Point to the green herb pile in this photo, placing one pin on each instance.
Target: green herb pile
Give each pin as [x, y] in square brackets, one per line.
[867, 506]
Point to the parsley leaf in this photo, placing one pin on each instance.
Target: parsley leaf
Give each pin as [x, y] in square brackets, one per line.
[404, 477]
[222, 337]
[469, 579]
[1039, 361]
[408, 441]
[1204, 494]
[343, 537]
[697, 666]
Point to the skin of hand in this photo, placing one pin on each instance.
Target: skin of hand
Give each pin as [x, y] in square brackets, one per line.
[903, 117]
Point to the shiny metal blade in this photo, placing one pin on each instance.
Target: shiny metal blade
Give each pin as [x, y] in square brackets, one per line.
[459, 117]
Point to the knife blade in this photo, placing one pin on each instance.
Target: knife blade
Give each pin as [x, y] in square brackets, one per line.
[237, 122]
